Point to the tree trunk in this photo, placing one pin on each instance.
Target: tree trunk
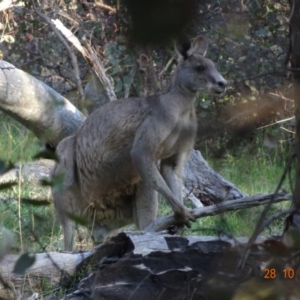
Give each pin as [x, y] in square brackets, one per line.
[35, 105]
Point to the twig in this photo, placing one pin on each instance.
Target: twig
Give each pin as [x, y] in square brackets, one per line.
[278, 122]
[281, 97]
[274, 72]
[91, 57]
[19, 207]
[99, 70]
[277, 216]
[245, 112]
[4, 283]
[131, 76]
[166, 66]
[105, 6]
[291, 258]
[287, 130]
[293, 69]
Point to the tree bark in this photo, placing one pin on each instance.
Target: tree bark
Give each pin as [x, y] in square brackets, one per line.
[151, 266]
[55, 267]
[35, 105]
[33, 172]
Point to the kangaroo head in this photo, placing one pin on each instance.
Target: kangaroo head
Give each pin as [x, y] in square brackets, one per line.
[195, 72]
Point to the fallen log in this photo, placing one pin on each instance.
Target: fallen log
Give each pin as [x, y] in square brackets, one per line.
[144, 242]
[53, 266]
[145, 266]
[201, 182]
[33, 172]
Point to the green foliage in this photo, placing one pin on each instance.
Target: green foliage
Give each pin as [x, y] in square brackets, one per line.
[120, 62]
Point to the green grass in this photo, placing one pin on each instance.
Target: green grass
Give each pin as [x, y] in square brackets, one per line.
[254, 170]
[17, 143]
[37, 222]
[38, 230]
[258, 172]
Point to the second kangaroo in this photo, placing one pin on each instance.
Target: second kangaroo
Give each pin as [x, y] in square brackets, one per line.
[111, 168]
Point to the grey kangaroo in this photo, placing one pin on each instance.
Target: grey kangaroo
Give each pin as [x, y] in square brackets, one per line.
[128, 150]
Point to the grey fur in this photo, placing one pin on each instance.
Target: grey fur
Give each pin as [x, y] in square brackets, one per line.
[111, 163]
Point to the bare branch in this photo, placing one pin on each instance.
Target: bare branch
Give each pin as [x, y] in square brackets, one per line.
[229, 205]
[91, 57]
[277, 216]
[274, 72]
[70, 52]
[99, 70]
[105, 6]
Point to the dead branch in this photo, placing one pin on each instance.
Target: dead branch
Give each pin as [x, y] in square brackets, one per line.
[70, 52]
[165, 222]
[99, 70]
[50, 116]
[89, 54]
[105, 6]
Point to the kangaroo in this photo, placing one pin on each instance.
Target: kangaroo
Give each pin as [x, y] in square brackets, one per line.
[129, 150]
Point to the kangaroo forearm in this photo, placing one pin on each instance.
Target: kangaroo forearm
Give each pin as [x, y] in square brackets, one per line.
[173, 182]
[159, 184]
[154, 179]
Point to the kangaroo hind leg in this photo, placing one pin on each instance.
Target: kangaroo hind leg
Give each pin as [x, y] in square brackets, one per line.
[145, 208]
[66, 196]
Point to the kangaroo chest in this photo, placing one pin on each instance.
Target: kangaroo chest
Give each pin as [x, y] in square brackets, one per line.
[182, 137]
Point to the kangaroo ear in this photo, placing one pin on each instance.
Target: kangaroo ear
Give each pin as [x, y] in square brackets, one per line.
[183, 47]
[200, 45]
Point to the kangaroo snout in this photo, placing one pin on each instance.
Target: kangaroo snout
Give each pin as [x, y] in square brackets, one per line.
[221, 86]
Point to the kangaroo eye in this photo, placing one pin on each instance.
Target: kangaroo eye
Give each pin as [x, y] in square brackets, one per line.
[200, 68]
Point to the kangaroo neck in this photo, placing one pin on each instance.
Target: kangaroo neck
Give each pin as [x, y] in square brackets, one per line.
[182, 95]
